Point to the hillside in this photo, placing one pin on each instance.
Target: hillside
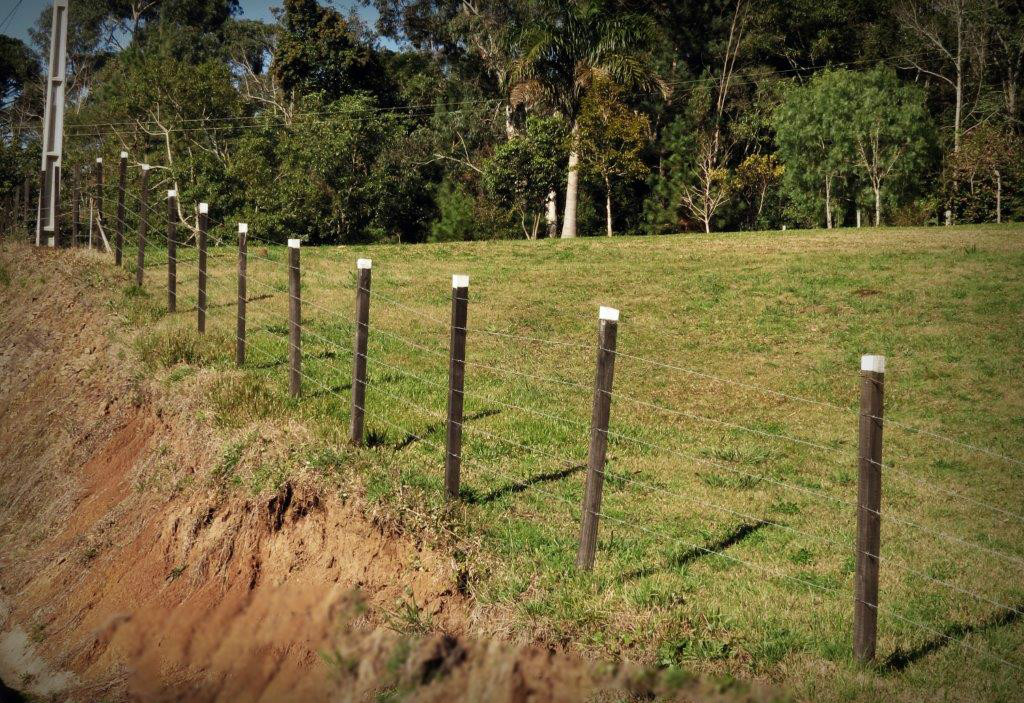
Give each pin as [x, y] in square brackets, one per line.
[726, 541]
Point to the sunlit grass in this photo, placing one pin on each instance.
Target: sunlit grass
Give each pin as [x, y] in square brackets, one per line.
[791, 312]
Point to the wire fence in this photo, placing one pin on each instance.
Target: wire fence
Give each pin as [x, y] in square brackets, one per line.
[330, 329]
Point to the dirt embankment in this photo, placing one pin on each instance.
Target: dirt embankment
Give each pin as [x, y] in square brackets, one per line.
[115, 587]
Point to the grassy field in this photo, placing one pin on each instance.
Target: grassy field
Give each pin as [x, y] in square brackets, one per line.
[725, 546]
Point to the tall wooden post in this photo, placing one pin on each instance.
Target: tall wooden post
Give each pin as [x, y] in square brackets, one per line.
[204, 210]
[140, 257]
[76, 206]
[26, 207]
[97, 226]
[456, 382]
[58, 235]
[869, 506]
[122, 176]
[294, 320]
[172, 251]
[243, 236]
[357, 415]
[607, 330]
[43, 213]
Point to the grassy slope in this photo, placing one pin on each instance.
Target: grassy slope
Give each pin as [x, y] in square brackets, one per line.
[791, 312]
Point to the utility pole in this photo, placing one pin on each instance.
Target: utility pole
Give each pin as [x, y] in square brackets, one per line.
[53, 124]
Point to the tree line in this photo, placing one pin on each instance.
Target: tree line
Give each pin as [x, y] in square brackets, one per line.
[473, 119]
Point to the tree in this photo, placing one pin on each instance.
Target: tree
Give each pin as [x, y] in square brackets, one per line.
[989, 156]
[755, 177]
[815, 143]
[610, 139]
[524, 169]
[318, 52]
[572, 44]
[888, 123]
[949, 32]
[711, 186]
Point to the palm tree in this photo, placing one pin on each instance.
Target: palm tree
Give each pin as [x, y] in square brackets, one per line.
[572, 43]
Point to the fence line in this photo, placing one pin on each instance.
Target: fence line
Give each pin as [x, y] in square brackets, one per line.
[293, 346]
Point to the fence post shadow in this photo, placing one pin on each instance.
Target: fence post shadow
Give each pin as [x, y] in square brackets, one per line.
[738, 534]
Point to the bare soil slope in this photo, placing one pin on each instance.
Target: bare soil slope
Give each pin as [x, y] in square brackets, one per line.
[114, 590]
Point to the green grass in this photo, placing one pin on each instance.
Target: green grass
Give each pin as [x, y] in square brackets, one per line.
[789, 311]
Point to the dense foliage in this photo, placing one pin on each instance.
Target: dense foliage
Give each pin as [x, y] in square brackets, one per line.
[468, 120]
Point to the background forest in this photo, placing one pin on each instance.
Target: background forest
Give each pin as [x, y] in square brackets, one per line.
[472, 119]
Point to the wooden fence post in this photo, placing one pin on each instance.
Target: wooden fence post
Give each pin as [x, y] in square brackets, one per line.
[364, 269]
[140, 258]
[76, 211]
[243, 237]
[26, 205]
[607, 330]
[172, 251]
[294, 320]
[58, 237]
[42, 212]
[456, 382]
[204, 210]
[869, 505]
[122, 175]
[98, 204]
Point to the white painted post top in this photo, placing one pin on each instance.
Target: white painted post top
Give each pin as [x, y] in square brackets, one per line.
[460, 280]
[872, 362]
[606, 313]
[145, 167]
[243, 228]
[172, 194]
[124, 154]
[204, 208]
[364, 263]
[294, 243]
[99, 161]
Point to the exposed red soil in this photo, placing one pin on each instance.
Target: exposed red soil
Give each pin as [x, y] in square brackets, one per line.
[126, 592]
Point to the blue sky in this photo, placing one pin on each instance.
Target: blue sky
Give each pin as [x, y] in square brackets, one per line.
[26, 13]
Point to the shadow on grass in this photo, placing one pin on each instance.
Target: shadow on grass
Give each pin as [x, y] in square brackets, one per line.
[902, 658]
[688, 557]
[471, 496]
[233, 303]
[375, 440]
[284, 362]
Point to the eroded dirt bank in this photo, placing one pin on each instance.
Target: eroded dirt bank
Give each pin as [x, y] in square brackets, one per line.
[113, 587]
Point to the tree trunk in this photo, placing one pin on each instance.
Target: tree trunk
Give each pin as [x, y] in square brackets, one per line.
[878, 206]
[536, 226]
[572, 186]
[999, 197]
[828, 202]
[608, 204]
[552, 214]
[707, 223]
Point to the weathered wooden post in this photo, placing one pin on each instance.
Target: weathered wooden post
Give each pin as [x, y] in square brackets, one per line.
[357, 415]
[26, 207]
[243, 236]
[122, 176]
[58, 237]
[608, 322]
[869, 506]
[140, 257]
[456, 382]
[172, 251]
[294, 319]
[204, 210]
[76, 206]
[96, 230]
